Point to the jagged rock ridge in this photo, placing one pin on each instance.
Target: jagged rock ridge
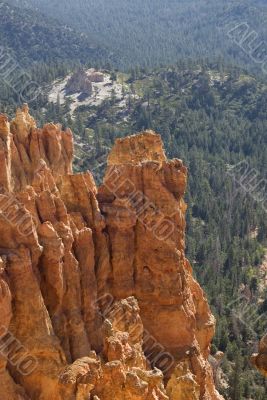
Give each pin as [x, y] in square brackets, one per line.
[96, 292]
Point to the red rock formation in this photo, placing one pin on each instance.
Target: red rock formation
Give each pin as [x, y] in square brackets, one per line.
[96, 292]
[260, 360]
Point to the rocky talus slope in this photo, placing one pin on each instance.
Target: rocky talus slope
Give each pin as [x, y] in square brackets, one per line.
[97, 299]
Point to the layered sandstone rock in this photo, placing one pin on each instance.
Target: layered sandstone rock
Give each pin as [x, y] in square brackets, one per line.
[97, 299]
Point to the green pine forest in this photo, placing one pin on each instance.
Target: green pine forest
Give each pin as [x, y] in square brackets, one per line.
[158, 32]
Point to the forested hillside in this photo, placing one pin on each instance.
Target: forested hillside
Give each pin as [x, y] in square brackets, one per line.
[211, 117]
[31, 37]
[37, 48]
[154, 32]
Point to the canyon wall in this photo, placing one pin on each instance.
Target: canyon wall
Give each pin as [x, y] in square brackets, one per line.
[97, 299]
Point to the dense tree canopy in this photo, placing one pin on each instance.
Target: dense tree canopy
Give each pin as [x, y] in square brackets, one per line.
[31, 37]
[155, 32]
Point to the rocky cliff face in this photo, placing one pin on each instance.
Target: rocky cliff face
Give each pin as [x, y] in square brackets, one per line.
[97, 299]
[79, 82]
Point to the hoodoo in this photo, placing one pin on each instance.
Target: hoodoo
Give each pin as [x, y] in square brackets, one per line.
[97, 299]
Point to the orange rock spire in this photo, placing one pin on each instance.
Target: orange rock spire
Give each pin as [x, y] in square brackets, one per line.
[97, 299]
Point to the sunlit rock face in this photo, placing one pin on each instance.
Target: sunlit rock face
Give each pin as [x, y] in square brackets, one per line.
[97, 299]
